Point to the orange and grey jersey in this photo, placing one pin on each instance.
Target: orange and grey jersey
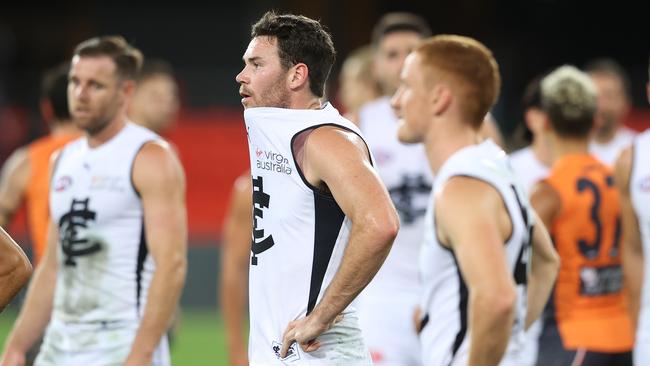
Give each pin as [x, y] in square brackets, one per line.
[103, 267]
[446, 333]
[299, 236]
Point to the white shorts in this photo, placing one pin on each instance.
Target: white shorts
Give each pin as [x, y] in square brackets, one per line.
[100, 344]
[388, 329]
[531, 345]
[341, 345]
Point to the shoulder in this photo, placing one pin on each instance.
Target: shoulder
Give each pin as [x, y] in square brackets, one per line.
[156, 163]
[18, 164]
[460, 191]
[333, 140]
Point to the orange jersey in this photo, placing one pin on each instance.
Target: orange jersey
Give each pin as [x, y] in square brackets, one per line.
[37, 193]
[590, 304]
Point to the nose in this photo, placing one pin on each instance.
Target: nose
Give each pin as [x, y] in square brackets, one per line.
[242, 78]
[395, 100]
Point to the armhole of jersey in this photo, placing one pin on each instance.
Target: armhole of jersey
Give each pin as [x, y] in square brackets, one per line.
[312, 128]
[505, 204]
[135, 190]
[55, 165]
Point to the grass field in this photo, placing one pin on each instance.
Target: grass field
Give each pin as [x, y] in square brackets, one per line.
[201, 340]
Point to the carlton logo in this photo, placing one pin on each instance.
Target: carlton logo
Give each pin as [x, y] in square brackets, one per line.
[272, 161]
[63, 183]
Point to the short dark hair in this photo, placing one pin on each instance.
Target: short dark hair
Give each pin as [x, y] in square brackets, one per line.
[569, 100]
[300, 40]
[54, 88]
[399, 21]
[532, 98]
[128, 59]
[154, 67]
[611, 67]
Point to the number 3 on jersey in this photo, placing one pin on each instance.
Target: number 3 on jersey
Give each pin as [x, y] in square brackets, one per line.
[261, 201]
[591, 250]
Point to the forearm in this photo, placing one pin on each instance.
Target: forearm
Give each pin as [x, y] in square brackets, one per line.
[491, 321]
[233, 305]
[36, 310]
[15, 270]
[162, 300]
[366, 251]
[633, 274]
[540, 284]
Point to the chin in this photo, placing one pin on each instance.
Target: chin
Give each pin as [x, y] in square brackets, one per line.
[406, 136]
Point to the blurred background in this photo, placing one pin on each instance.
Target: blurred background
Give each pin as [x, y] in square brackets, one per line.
[204, 42]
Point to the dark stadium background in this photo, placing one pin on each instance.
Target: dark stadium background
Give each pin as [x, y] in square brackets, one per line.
[204, 41]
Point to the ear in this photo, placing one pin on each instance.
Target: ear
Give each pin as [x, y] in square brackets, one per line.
[441, 98]
[298, 76]
[534, 119]
[128, 88]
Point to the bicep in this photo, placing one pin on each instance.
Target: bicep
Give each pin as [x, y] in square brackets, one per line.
[159, 179]
[478, 239]
[546, 202]
[348, 173]
[239, 226]
[13, 181]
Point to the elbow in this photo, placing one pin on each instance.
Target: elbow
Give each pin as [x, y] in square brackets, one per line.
[385, 229]
[16, 268]
[502, 302]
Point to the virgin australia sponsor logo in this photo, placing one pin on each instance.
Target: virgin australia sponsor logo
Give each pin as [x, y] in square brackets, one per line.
[272, 161]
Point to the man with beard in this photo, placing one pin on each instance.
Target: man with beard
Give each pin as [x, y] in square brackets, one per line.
[115, 262]
[323, 222]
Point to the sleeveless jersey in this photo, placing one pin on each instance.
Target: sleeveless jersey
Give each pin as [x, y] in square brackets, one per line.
[104, 268]
[528, 169]
[445, 335]
[640, 195]
[588, 298]
[405, 172]
[37, 192]
[299, 235]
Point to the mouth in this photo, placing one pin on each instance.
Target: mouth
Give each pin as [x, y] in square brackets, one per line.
[244, 94]
[81, 112]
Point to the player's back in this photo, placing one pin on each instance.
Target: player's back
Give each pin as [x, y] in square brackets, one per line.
[445, 336]
[37, 192]
[589, 303]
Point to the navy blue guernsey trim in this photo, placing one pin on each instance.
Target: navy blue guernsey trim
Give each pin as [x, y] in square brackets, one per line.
[293, 153]
[328, 220]
[462, 312]
[142, 255]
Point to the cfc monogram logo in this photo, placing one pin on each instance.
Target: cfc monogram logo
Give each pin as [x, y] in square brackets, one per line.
[71, 225]
[260, 202]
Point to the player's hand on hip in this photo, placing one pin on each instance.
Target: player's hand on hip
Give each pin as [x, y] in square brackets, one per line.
[304, 332]
[12, 357]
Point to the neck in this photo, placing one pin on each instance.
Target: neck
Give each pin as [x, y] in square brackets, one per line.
[541, 150]
[442, 143]
[562, 146]
[108, 132]
[305, 102]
